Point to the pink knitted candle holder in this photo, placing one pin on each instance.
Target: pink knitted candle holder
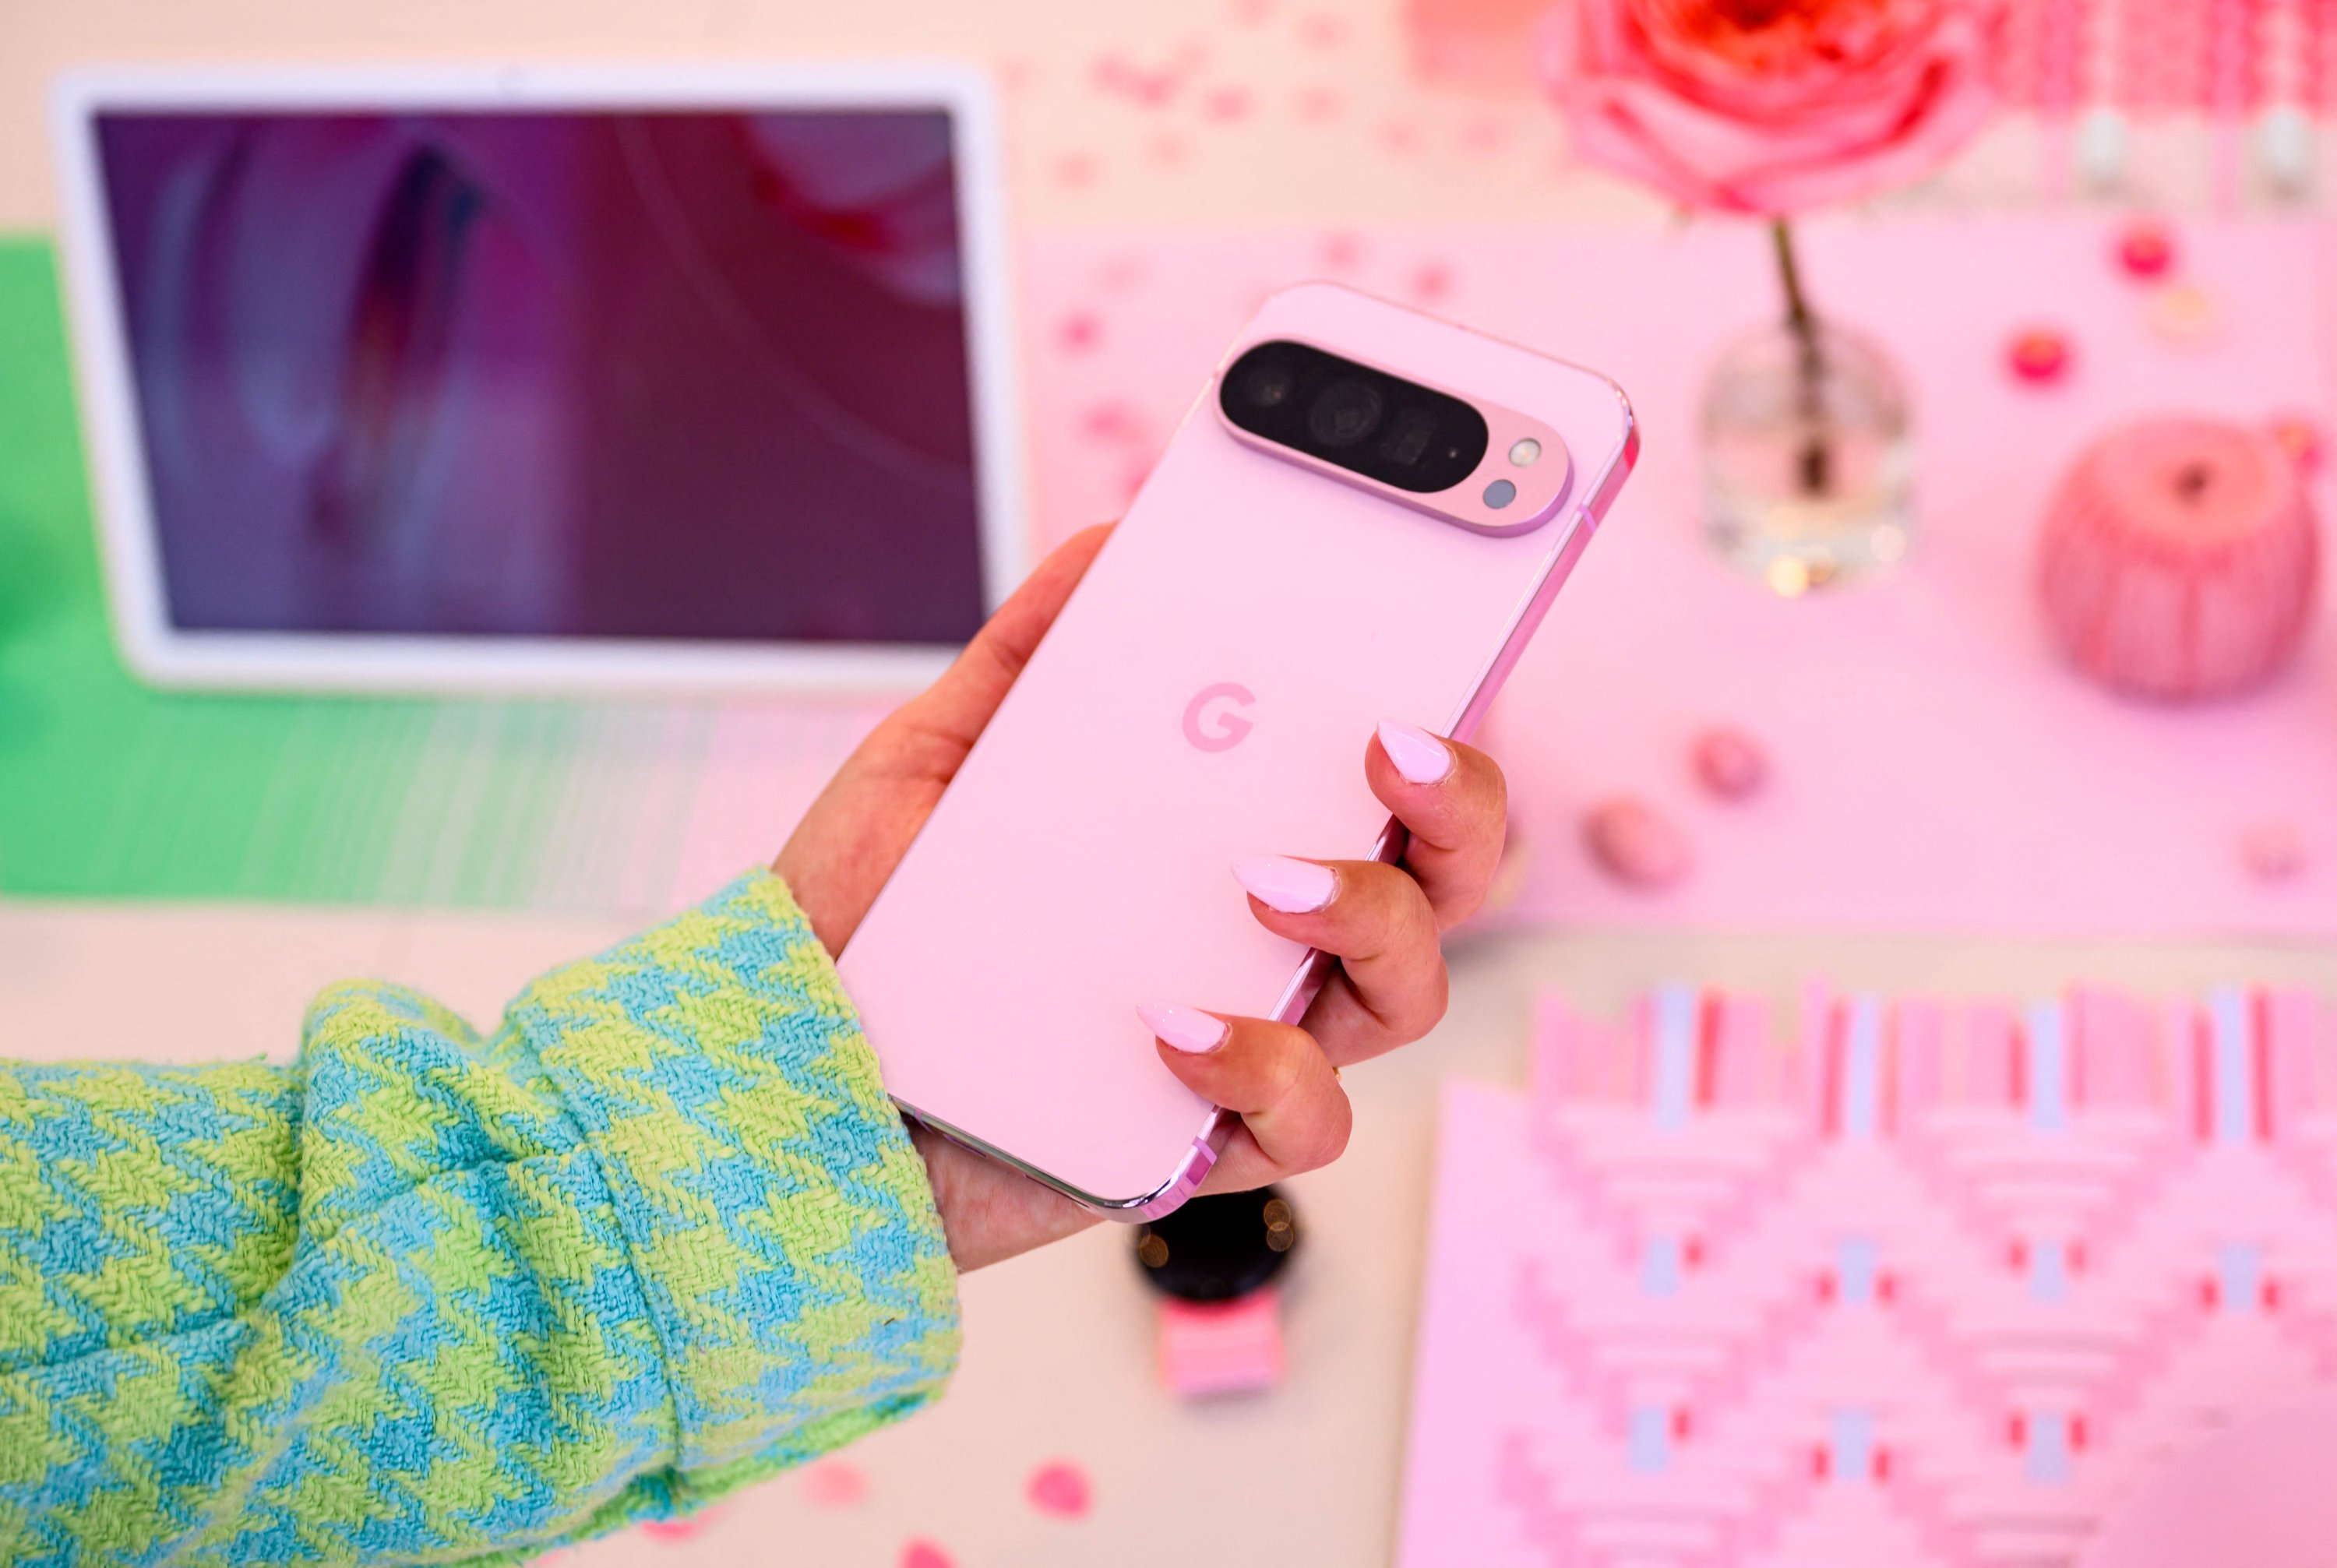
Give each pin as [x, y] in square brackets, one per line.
[2178, 559]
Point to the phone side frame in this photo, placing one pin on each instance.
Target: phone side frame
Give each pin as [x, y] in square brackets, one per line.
[1210, 1142]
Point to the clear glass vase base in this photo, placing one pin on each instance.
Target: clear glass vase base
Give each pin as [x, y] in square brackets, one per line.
[1808, 462]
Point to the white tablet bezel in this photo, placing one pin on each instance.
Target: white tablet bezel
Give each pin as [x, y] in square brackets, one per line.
[172, 656]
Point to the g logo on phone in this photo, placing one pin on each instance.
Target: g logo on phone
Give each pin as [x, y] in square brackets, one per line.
[1218, 717]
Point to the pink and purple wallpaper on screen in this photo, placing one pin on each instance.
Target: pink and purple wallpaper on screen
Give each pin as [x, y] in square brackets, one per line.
[670, 375]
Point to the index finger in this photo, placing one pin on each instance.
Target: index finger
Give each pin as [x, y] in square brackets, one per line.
[1453, 802]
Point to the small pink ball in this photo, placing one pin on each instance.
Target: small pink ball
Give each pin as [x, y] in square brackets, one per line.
[2146, 249]
[1729, 763]
[2178, 559]
[2038, 355]
[1635, 844]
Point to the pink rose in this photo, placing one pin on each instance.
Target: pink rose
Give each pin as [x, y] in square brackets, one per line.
[1770, 106]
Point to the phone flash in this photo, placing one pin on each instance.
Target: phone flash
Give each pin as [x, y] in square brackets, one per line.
[1524, 452]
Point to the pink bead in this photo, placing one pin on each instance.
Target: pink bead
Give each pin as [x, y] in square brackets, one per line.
[1059, 1488]
[2178, 559]
[1729, 763]
[926, 1554]
[2146, 250]
[1632, 843]
[2038, 355]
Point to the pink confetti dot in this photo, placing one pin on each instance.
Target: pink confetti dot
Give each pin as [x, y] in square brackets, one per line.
[1431, 282]
[1319, 103]
[1400, 136]
[1485, 136]
[671, 1530]
[1341, 251]
[1059, 1488]
[1121, 273]
[1115, 421]
[1729, 763]
[1149, 89]
[835, 1483]
[1131, 480]
[1322, 30]
[1226, 104]
[1079, 331]
[2038, 356]
[1635, 844]
[2145, 251]
[926, 1554]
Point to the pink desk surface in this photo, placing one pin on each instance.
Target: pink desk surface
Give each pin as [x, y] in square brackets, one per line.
[1935, 768]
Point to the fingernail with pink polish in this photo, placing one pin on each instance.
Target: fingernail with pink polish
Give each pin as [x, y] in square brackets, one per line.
[1417, 755]
[1186, 1028]
[1293, 886]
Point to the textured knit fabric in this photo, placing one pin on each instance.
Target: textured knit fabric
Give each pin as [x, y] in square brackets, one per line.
[426, 1297]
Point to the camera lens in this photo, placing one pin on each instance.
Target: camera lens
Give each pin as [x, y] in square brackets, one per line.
[1353, 416]
[1345, 413]
[1407, 436]
[1268, 384]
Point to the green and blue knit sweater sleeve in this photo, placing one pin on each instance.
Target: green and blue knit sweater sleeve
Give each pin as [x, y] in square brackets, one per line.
[424, 1297]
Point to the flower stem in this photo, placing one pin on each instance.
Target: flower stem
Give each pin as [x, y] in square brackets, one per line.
[1817, 453]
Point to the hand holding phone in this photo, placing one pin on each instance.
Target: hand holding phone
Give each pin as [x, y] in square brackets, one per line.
[849, 841]
[1358, 528]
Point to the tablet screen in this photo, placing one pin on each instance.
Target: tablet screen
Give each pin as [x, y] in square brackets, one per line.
[675, 375]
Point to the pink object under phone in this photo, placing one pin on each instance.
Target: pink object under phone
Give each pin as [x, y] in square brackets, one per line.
[1208, 692]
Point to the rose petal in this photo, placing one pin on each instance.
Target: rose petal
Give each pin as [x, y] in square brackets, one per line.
[1776, 117]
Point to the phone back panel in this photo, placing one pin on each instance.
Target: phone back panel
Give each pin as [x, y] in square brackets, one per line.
[1208, 692]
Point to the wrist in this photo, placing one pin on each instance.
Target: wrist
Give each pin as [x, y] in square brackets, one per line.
[990, 1214]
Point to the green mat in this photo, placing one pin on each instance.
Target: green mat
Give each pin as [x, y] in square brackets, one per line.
[110, 789]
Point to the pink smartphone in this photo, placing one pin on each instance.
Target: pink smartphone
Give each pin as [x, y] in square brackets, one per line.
[1364, 517]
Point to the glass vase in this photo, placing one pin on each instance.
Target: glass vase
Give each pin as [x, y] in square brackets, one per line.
[1808, 457]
